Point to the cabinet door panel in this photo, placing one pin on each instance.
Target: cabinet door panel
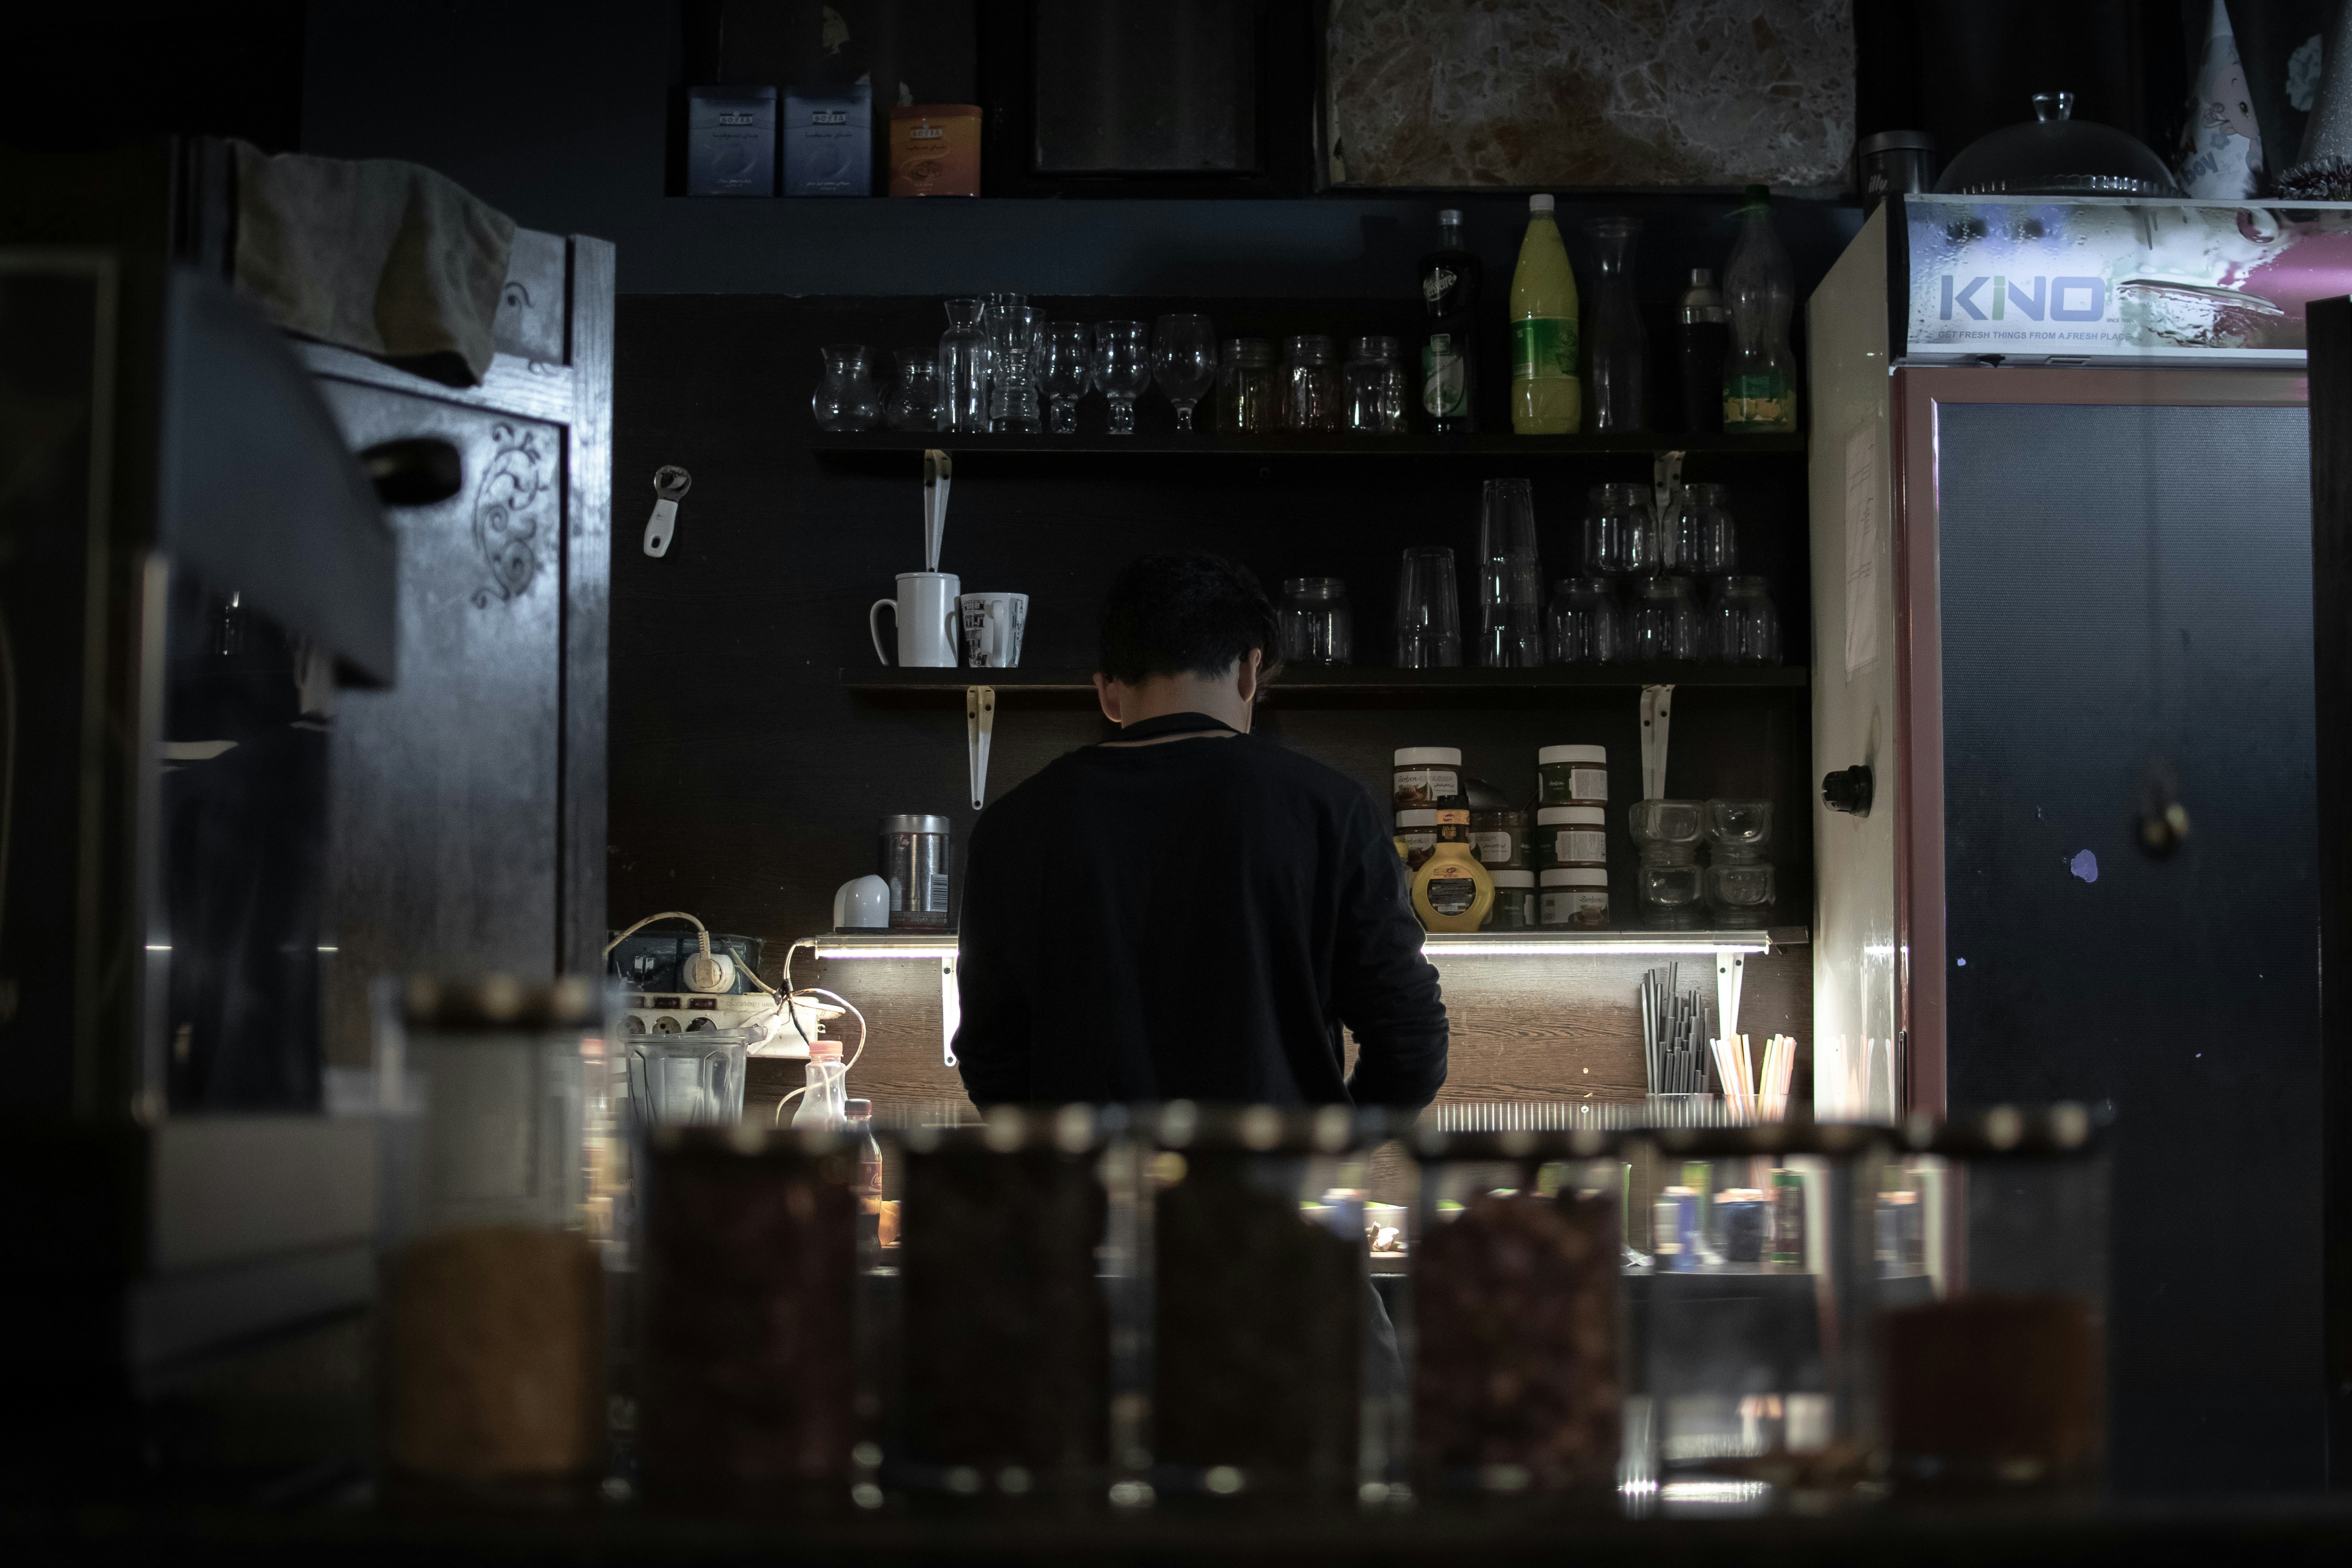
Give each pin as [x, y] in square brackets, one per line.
[443, 841]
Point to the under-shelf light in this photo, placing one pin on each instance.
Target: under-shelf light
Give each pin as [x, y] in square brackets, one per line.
[1634, 944]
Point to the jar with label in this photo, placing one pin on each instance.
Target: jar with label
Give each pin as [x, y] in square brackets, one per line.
[1575, 898]
[1499, 838]
[1427, 776]
[1422, 831]
[1572, 775]
[1515, 901]
[1452, 892]
[1571, 836]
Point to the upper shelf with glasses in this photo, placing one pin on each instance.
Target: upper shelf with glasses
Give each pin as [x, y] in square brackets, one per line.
[894, 449]
[1344, 686]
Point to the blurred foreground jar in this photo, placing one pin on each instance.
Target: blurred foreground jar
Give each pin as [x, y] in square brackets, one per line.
[493, 1331]
[748, 1371]
[1518, 1320]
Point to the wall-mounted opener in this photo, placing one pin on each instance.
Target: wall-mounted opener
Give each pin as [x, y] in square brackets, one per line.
[670, 485]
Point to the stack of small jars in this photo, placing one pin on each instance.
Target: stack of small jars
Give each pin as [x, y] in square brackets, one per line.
[1661, 585]
[1674, 889]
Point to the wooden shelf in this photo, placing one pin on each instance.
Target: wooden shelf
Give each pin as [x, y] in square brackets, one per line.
[892, 449]
[1350, 687]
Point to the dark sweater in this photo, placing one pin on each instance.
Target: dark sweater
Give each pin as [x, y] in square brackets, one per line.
[1193, 920]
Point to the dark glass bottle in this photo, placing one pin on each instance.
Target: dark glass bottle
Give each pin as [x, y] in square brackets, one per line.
[1703, 330]
[1451, 282]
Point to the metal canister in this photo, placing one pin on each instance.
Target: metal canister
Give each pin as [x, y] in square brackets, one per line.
[1676, 1230]
[914, 861]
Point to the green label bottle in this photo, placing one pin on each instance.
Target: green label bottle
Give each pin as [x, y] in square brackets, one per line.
[1546, 398]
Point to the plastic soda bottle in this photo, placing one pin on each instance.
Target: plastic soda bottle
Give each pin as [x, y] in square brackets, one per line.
[1545, 399]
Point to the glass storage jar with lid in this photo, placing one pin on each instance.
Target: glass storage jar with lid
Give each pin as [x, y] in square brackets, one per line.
[1311, 396]
[493, 1290]
[1249, 393]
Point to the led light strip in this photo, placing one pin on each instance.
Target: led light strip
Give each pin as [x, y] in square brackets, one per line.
[1613, 947]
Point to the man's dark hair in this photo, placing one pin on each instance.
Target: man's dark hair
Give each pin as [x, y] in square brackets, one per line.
[1191, 613]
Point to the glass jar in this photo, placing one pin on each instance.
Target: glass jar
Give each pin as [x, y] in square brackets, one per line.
[1318, 626]
[493, 1290]
[1738, 830]
[1249, 398]
[1670, 892]
[966, 362]
[1584, 621]
[1573, 898]
[1665, 831]
[915, 401]
[1621, 533]
[1515, 901]
[845, 398]
[1572, 775]
[1571, 836]
[1311, 396]
[1519, 1319]
[1700, 538]
[1739, 892]
[1375, 387]
[1665, 622]
[747, 1380]
[1746, 627]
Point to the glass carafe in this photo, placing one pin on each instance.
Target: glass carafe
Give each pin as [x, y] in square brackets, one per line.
[966, 360]
[915, 401]
[845, 398]
[1616, 356]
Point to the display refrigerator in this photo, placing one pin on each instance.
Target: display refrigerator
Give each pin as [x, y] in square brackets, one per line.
[2063, 723]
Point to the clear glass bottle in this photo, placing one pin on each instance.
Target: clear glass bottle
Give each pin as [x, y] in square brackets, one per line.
[966, 362]
[845, 398]
[1248, 398]
[1703, 335]
[1759, 375]
[1374, 380]
[1452, 279]
[1616, 350]
[1310, 383]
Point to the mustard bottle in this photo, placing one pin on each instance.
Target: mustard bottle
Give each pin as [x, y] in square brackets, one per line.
[1452, 892]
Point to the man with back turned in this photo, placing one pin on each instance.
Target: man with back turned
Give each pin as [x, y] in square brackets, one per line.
[1188, 911]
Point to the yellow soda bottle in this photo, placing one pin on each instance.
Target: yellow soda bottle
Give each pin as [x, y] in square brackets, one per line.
[1546, 397]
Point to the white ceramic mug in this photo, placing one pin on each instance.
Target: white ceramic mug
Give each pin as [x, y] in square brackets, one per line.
[992, 625]
[926, 609]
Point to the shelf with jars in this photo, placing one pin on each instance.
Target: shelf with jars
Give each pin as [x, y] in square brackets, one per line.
[1340, 686]
[895, 450]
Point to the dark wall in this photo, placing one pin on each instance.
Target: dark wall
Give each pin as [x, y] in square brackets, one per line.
[74, 76]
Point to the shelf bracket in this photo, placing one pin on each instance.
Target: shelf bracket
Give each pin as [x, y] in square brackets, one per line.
[1729, 968]
[979, 728]
[950, 1009]
[1657, 715]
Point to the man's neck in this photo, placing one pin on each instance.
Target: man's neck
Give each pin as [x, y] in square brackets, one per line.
[1228, 697]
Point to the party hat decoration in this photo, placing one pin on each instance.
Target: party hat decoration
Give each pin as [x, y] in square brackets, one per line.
[2221, 145]
[2322, 169]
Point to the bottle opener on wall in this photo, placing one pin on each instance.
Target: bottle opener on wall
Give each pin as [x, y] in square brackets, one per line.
[670, 485]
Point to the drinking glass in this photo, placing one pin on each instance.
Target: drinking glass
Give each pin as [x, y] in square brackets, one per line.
[1620, 537]
[1012, 380]
[915, 401]
[1062, 373]
[1310, 383]
[1584, 621]
[1183, 362]
[1615, 354]
[1746, 627]
[1318, 626]
[1700, 539]
[844, 398]
[1511, 579]
[1428, 614]
[966, 360]
[1122, 369]
[1666, 623]
[1249, 401]
[1373, 385]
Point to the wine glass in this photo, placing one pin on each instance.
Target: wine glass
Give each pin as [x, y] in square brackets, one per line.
[1122, 369]
[1183, 362]
[1064, 373]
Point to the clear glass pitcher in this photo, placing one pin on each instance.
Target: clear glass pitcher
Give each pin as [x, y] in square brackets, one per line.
[967, 359]
[846, 399]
